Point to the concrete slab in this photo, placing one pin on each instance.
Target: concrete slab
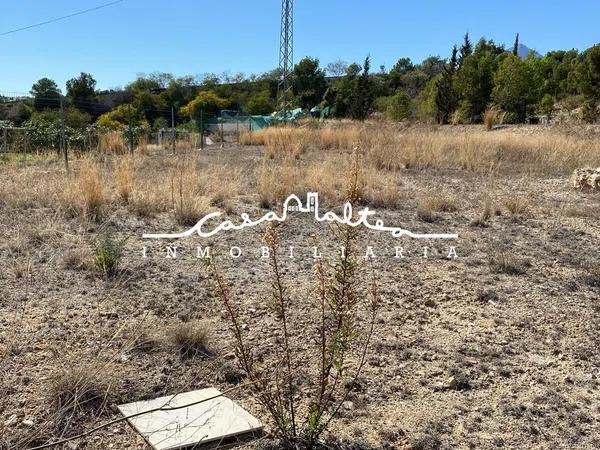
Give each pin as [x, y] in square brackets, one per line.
[213, 420]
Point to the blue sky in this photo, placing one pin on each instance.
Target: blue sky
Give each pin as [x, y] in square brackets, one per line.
[196, 36]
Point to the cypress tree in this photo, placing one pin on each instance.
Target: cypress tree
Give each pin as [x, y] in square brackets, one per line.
[445, 95]
[363, 96]
[454, 59]
[516, 46]
[466, 49]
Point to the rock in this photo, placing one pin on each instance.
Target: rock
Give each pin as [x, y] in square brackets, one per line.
[430, 303]
[28, 423]
[348, 405]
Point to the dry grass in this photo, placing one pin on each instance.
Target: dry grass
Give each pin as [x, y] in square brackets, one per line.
[124, 175]
[286, 142]
[78, 392]
[91, 188]
[112, 143]
[487, 211]
[188, 204]
[275, 180]
[507, 264]
[192, 339]
[438, 202]
[478, 151]
[493, 116]
[517, 205]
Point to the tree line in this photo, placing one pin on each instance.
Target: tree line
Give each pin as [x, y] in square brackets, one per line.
[456, 89]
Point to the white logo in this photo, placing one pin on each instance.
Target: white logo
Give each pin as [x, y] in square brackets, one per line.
[294, 204]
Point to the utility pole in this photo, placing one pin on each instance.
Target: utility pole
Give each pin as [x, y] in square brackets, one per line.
[286, 56]
[63, 140]
[173, 129]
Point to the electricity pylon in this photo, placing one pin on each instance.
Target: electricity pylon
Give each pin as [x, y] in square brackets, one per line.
[286, 57]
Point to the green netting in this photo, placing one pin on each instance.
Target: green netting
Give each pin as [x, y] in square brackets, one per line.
[260, 122]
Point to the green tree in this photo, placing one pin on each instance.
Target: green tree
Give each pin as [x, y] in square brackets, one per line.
[474, 80]
[362, 98]
[546, 105]
[454, 59]
[588, 81]
[260, 103]
[398, 106]
[121, 117]
[340, 95]
[81, 91]
[308, 82]
[465, 50]
[516, 46]
[206, 104]
[515, 88]
[45, 94]
[445, 95]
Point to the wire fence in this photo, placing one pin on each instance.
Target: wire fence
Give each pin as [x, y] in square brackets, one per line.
[208, 131]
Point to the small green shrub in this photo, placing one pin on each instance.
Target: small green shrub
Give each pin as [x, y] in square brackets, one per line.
[108, 252]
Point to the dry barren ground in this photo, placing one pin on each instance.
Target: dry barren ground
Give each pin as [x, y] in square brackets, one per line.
[497, 348]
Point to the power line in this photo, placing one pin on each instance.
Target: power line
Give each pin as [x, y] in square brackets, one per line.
[78, 13]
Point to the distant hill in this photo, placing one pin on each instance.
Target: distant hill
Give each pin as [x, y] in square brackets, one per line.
[523, 52]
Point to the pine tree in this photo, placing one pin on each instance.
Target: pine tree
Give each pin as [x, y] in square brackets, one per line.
[466, 49]
[516, 46]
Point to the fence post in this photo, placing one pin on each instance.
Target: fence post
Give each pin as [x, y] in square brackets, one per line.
[222, 135]
[173, 129]
[130, 131]
[63, 141]
[201, 130]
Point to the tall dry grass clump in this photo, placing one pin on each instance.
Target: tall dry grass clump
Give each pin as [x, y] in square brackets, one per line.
[124, 177]
[493, 116]
[276, 181]
[112, 143]
[91, 188]
[289, 141]
[189, 196]
[338, 138]
[252, 138]
[505, 151]
[220, 183]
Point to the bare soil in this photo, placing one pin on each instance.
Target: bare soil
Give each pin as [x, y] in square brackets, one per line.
[497, 348]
